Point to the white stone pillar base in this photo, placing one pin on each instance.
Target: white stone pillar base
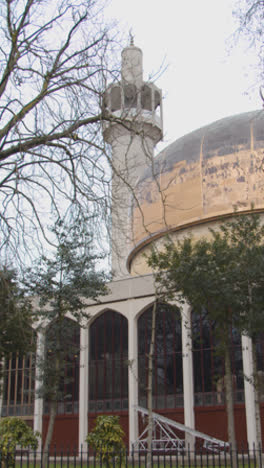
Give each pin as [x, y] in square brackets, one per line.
[249, 391]
[132, 377]
[187, 365]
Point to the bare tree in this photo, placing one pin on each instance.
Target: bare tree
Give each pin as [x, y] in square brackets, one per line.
[54, 67]
[250, 15]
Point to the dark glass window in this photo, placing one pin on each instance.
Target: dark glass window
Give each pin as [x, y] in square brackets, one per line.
[260, 364]
[68, 393]
[167, 363]
[208, 363]
[108, 367]
[260, 352]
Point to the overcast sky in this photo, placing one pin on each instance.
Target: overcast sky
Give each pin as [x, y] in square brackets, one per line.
[204, 80]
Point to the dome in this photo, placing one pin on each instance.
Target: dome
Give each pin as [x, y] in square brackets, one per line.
[201, 177]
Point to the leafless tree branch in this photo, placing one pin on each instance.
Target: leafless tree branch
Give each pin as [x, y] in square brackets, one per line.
[55, 60]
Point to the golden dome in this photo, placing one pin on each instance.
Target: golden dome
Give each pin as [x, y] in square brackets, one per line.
[201, 177]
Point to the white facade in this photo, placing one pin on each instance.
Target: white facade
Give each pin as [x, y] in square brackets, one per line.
[130, 297]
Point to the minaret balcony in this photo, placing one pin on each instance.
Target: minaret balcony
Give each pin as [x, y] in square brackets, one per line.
[124, 101]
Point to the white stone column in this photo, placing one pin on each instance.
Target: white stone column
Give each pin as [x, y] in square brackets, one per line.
[83, 386]
[187, 365]
[38, 403]
[132, 376]
[249, 391]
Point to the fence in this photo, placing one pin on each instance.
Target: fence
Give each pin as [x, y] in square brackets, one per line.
[213, 457]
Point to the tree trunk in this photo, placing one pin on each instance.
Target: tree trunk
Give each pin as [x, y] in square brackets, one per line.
[149, 388]
[52, 416]
[230, 406]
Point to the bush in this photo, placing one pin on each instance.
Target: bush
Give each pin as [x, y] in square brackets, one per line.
[107, 438]
[15, 432]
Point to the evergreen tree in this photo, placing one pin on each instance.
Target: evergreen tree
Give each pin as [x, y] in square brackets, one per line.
[15, 316]
[223, 274]
[63, 283]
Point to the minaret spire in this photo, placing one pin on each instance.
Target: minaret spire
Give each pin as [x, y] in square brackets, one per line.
[131, 38]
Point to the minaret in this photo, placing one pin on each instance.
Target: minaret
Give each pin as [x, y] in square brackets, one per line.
[135, 126]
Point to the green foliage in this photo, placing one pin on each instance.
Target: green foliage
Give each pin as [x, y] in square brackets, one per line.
[221, 276]
[245, 237]
[15, 316]
[63, 283]
[107, 438]
[223, 273]
[15, 432]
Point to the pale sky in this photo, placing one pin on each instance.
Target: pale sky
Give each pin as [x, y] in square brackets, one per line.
[203, 81]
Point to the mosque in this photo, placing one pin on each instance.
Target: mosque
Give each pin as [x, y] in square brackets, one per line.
[190, 186]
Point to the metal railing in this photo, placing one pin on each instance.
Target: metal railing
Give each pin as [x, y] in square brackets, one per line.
[207, 456]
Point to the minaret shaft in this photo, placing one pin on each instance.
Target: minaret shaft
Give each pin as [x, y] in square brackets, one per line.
[131, 154]
[134, 130]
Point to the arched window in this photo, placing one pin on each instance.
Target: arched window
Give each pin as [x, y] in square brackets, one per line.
[19, 384]
[68, 393]
[108, 365]
[167, 373]
[208, 363]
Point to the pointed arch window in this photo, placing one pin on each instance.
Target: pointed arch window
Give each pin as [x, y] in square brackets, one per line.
[167, 373]
[68, 392]
[108, 365]
[208, 363]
